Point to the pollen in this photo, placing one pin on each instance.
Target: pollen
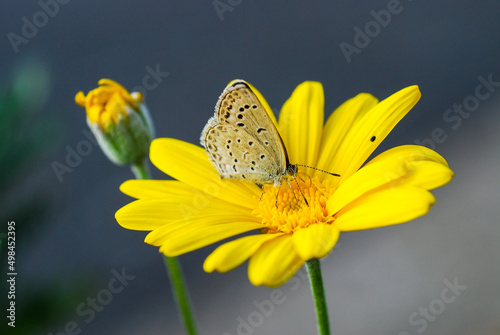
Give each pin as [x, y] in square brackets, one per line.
[287, 211]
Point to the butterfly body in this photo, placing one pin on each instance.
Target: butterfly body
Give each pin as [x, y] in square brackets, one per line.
[241, 140]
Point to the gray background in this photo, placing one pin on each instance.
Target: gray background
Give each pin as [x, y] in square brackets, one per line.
[374, 279]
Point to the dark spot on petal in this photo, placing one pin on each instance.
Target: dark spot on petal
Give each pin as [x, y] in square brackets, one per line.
[240, 116]
[262, 156]
[241, 109]
[373, 138]
[250, 143]
[240, 124]
[260, 130]
[247, 106]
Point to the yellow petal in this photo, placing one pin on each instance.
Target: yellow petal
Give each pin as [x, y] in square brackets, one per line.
[428, 175]
[274, 263]
[367, 132]
[383, 208]
[190, 164]
[337, 126]
[301, 123]
[410, 153]
[147, 214]
[388, 172]
[429, 169]
[265, 104]
[231, 254]
[150, 214]
[207, 218]
[185, 240]
[80, 99]
[144, 188]
[315, 241]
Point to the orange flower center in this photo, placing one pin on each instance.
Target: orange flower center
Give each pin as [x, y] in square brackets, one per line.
[287, 211]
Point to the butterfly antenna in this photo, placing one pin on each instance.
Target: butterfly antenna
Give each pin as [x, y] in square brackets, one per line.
[307, 166]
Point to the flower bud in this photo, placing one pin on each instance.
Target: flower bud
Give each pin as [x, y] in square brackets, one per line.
[119, 120]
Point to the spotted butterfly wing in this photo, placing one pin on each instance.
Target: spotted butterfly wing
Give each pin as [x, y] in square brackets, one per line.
[242, 141]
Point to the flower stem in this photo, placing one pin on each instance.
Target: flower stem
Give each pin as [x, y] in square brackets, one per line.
[141, 171]
[314, 270]
[180, 293]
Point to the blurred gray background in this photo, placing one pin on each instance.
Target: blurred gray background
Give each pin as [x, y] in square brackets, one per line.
[384, 281]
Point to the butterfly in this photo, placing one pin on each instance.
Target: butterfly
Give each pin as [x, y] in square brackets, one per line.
[243, 143]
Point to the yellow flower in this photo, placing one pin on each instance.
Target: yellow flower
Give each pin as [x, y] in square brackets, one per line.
[199, 209]
[119, 120]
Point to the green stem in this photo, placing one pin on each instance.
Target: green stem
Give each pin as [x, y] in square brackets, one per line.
[314, 270]
[180, 293]
[141, 171]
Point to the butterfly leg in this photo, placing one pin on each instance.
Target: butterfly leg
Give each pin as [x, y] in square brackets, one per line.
[291, 189]
[299, 190]
[277, 194]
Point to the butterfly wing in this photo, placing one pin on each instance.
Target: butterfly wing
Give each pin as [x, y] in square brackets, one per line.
[241, 140]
